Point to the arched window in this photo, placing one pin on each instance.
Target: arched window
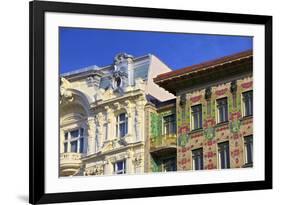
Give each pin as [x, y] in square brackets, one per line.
[121, 125]
[74, 141]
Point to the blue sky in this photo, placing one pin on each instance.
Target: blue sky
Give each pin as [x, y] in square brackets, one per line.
[81, 47]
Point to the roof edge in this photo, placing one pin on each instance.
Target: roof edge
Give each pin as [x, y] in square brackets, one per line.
[204, 65]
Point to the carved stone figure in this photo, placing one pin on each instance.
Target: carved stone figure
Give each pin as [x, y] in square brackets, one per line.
[121, 57]
[65, 94]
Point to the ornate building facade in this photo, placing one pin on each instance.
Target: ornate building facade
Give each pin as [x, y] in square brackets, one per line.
[137, 115]
[214, 111]
[162, 135]
[102, 116]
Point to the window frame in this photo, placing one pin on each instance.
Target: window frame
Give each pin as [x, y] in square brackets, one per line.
[226, 116]
[172, 125]
[118, 123]
[200, 124]
[124, 166]
[245, 150]
[201, 155]
[67, 142]
[219, 155]
[244, 104]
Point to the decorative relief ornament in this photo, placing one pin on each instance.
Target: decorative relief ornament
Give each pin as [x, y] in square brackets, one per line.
[208, 93]
[183, 136]
[122, 57]
[209, 130]
[65, 94]
[235, 122]
[182, 99]
[137, 161]
[233, 86]
[95, 170]
[183, 139]
[209, 133]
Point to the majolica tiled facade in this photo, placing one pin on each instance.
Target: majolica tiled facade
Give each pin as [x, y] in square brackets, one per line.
[214, 113]
[137, 116]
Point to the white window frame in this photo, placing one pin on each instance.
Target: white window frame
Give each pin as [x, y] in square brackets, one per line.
[219, 155]
[244, 105]
[78, 139]
[192, 117]
[193, 158]
[118, 124]
[115, 167]
[218, 111]
[246, 151]
[174, 125]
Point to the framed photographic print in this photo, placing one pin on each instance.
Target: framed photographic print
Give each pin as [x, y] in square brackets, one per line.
[130, 102]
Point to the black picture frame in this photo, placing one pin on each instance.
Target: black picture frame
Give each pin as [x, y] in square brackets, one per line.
[37, 98]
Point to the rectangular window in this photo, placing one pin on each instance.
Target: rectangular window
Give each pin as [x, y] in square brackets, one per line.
[224, 160]
[197, 159]
[73, 146]
[222, 110]
[122, 124]
[169, 124]
[248, 149]
[169, 164]
[196, 112]
[74, 141]
[248, 103]
[120, 167]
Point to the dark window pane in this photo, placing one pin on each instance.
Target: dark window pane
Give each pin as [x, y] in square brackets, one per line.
[73, 146]
[120, 167]
[197, 157]
[169, 164]
[222, 107]
[248, 141]
[197, 116]
[169, 124]
[122, 129]
[122, 117]
[224, 155]
[248, 103]
[65, 147]
[74, 133]
[123, 125]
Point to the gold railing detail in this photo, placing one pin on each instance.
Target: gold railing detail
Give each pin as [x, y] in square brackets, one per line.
[163, 141]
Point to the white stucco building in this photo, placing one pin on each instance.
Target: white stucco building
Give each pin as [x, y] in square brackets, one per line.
[102, 116]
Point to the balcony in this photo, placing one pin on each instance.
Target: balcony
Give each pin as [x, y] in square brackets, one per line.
[70, 163]
[163, 144]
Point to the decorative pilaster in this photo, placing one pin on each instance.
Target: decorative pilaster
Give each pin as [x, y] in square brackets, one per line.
[130, 114]
[91, 135]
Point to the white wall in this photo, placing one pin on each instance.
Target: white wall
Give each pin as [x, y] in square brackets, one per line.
[156, 68]
[14, 100]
